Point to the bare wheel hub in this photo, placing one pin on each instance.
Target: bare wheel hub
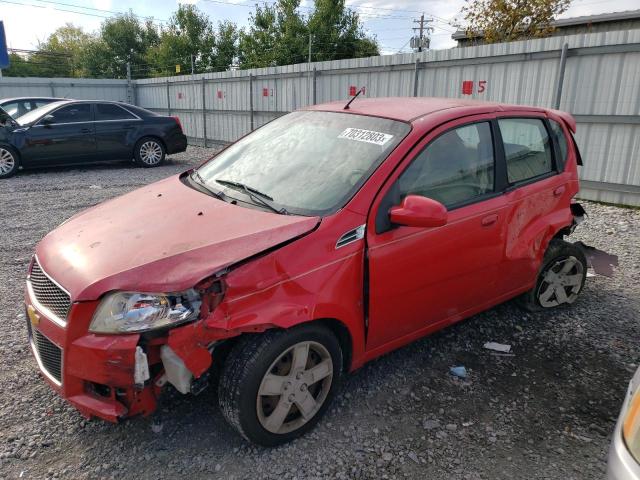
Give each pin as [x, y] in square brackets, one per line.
[295, 387]
[561, 283]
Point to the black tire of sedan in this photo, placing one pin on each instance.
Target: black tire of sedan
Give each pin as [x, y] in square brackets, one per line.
[9, 163]
[560, 280]
[149, 152]
[277, 385]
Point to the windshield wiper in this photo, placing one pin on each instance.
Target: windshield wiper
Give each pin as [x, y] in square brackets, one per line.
[195, 175]
[256, 195]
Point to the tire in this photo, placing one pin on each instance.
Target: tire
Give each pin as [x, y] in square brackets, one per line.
[564, 269]
[260, 379]
[9, 162]
[149, 152]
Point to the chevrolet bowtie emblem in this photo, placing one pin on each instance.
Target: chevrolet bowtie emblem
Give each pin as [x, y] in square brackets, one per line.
[33, 316]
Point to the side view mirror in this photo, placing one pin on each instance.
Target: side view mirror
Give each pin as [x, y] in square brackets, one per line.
[47, 119]
[418, 211]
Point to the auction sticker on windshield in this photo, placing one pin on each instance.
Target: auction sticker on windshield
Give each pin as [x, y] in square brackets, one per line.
[368, 136]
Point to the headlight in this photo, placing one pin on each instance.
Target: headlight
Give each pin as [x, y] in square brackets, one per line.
[124, 312]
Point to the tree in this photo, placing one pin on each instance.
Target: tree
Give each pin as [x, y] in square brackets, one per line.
[337, 32]
[279, 34]
[508, 20]
[63, 50]
[191, 33]
[121, 40]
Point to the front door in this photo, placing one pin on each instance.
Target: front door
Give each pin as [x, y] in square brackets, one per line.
[421, 279]
[68, 138]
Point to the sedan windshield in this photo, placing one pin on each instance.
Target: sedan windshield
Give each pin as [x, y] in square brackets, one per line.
[307, 163]
[36, 113]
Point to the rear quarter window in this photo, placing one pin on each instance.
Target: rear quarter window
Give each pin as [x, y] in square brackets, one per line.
[563, 145]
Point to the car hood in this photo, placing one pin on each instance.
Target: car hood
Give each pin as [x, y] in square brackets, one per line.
[164, 237]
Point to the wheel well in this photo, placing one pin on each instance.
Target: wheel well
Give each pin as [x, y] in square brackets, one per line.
[335, 326]
[344, 337]
[12, 148]
[155, 137]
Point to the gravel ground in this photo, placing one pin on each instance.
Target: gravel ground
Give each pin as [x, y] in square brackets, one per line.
[545, 412]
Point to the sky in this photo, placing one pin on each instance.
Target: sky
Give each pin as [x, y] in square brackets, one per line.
[29, 21]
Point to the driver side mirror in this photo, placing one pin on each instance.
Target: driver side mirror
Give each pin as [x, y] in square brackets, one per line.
[47, 120]
[418, 211]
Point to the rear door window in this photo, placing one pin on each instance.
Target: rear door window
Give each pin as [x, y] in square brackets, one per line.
[76, 113]
[109, 111]
[527, 148]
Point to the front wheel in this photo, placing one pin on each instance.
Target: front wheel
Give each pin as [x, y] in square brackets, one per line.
[560, 280]
[275, 386]
[149, 152]
[8, 162]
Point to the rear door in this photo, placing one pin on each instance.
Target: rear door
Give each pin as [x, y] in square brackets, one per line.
[537, 194]
[421, 279]
[69, 138]
[115, 131]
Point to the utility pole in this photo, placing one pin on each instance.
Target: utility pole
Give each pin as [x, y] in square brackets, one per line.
[310, 38]
[420, 41]
[192, 64]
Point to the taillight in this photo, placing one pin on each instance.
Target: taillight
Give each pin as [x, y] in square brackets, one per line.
[177, 119]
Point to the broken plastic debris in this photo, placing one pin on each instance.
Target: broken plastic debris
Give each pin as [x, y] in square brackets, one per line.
[498, 347]
[459, 372]
[601, 261]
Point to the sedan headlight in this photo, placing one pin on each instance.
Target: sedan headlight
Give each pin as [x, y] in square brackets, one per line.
[126, 312]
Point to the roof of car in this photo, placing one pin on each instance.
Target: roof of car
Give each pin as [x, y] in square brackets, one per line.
[410, 108]
[16, 99]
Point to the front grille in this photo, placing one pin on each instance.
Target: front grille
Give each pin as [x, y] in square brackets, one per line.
[49, 354]
[48, 294]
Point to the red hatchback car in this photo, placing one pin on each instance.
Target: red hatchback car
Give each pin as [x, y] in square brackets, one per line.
[320, 241]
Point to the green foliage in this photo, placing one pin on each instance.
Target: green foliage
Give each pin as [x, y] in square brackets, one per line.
[278, 35]
[191, 32]
[509, 20]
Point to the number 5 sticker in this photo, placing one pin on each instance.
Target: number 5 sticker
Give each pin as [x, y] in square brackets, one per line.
[482, 86]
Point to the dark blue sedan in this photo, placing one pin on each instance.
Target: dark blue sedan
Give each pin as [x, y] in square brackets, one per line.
[72, 132]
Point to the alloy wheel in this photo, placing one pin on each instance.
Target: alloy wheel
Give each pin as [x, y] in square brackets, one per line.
[561, 283]
[295, 387]
[150, 152]
[7, 161]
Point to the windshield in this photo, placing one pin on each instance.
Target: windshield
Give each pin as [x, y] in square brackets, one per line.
[35, 114]
[308, 163]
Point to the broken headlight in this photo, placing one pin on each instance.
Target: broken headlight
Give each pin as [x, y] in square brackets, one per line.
[128, 312]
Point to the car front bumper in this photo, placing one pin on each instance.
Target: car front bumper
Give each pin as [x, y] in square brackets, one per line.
[95, 373]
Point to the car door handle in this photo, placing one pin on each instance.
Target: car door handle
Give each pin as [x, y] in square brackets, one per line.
[85, 130]
[489, 220]
[559, 191]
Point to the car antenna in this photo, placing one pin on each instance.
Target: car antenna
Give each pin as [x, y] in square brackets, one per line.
[346, 107]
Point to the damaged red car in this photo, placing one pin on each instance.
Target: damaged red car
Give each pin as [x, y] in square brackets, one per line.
[321, 241]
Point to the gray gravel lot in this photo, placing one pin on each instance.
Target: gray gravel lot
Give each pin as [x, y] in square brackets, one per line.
[546, 412]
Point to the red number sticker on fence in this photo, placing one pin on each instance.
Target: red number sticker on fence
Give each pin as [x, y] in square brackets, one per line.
[467, 87]
[482, 86]
[352, 90]
[265, 92]
[180, 96]
[219, 94]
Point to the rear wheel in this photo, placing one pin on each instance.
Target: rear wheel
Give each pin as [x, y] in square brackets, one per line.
[561, 278]
[149, 152]
[9, 163]
[275, 386]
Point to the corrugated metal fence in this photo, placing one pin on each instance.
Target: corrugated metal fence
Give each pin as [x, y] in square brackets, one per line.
[597, 80]
[77, 88]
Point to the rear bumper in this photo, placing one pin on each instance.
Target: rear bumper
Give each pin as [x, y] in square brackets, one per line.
[176, 143]
[94, 373]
